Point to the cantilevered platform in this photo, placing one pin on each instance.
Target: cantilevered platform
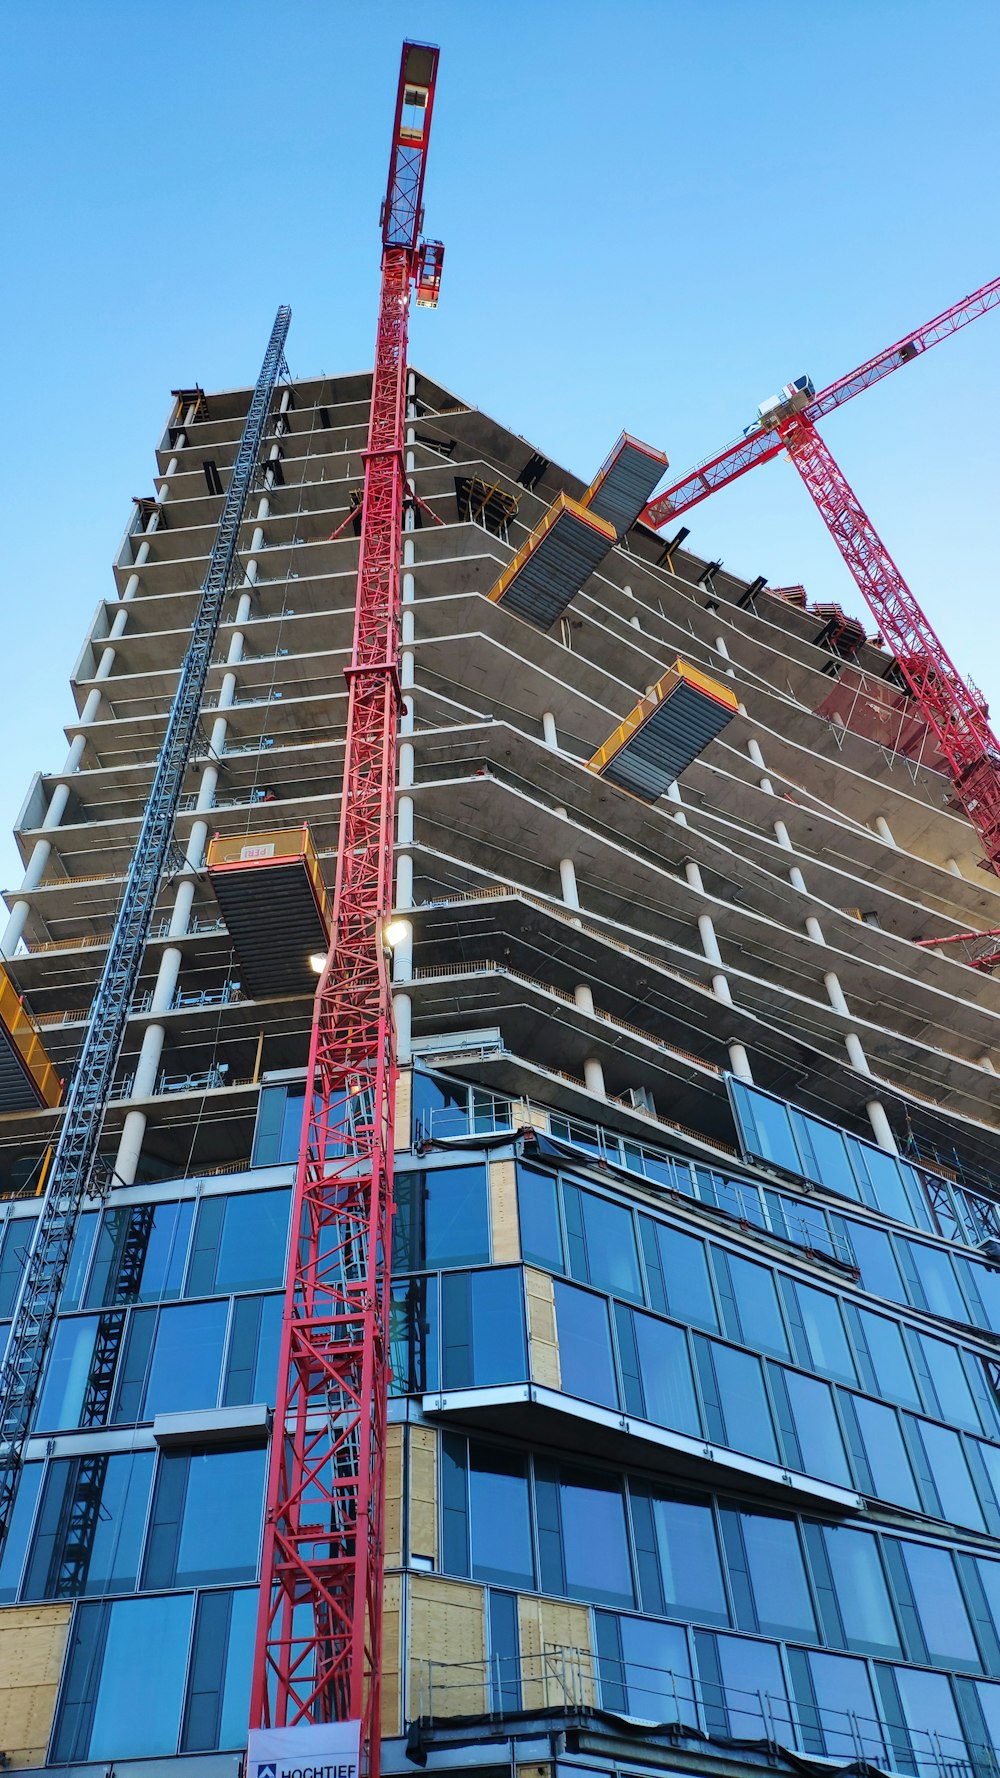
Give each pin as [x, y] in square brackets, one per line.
[27, 1077]
[276, 907]
[665, 732]
[624, 482]
[551, 566]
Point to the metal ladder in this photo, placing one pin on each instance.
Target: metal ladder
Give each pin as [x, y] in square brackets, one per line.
[72, 1178]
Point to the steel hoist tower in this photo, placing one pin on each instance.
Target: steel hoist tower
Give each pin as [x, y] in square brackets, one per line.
[75, 1173]
[950, 704]
[318, 1651]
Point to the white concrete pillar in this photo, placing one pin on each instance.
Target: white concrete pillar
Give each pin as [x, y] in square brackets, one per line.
[814, 929]
[674, 796]
[954, 867]
[404, 821]
[593, 1075]
[781, 835]
[166, 979]
[739, 1061]
[881, 1126]
[985, 1062]
[130, 1147]
[207, 787]
[720, 643]
[180, 913]
[766, 785]
[195, 853]
[583, 995]
[404, 880]
[402, 1007]
[831, 982]
[883, 828]
[721, 989]
[549, 735]
[797, 880]
[709, 942]
[57, 806]
[405, 766]
[18, 918]
[567, 881]
[856, 1054]
[693, 875]
[402, 954]
[634, 621]
[755, 753]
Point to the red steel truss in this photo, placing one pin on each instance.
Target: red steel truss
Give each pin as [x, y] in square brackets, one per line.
[760, 443]
[951, 705]
[318, 1652]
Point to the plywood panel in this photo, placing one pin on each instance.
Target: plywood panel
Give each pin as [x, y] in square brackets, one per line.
[423, 1492]
[402, 1116]
[556, 1658]
[394, 1496]
[392, 1655]
[32, 1645]
[503, 1213]
[542, 1338]
[447, 1630]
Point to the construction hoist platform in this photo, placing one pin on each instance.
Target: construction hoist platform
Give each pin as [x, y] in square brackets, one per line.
[318, 1653]
[76, 1174]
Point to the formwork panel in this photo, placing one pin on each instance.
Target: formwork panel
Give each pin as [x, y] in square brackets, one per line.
[624, 482]
[665, 732]
[275, 905]
[553, 564]
[27, 1077]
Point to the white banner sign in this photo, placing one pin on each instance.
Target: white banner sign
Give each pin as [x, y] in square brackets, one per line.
[310, 1750]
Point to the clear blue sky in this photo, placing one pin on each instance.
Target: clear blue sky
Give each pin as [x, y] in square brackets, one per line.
[655, 213]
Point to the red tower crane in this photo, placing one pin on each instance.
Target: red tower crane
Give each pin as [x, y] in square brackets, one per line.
[318, 1651]
[951, 706]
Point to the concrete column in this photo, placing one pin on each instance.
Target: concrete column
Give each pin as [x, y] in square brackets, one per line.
[567, 881]
[166, 980]
[674, 796]
[766, 785]
[954, 867]
[709, 942]
[693, 874]
[781, 835]
[984, 1062]
[882, 827]
[18, 918]
[593, 1075]
[549, 734]
[583, 996]
[755, 753]
[406, 764]
[404, 881]
[404, 821]
[721, 990]
[207, 787]
[881, 1126]
[195, 853]
[739, 1061]
[57, 806]
[634, 621]
[402, 955]
[181, 911]
[856, 1054]
[402, 1007]
[831, 982]
[797, 880]
[720, 643]
[814, 929]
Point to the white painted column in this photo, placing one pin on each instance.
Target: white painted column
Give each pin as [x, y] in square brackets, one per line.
[402, 954]
[856, 1054]
[567, 882]
[583, 995]
[402, 1012]
[814, 929]
[797, 880]
[674, 796]
[954, 866]
[593, 1075]
[739, 1061]
[882, 827]
[549, 735]
[709, 941]
[781, 835]
[881, 1126]
[831, 982]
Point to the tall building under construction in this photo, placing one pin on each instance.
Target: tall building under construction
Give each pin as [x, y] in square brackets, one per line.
[693, 1457]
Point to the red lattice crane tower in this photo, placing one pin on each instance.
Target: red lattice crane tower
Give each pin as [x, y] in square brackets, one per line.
[318, 1651]
[950, 704]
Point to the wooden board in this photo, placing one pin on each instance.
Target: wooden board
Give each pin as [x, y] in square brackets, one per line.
[543, 1342]
[447, 1630]
[556, 1656]
[32, 1645]
[394, 1496]
[401, 1135]
[392, 1655]
[423, 1492]
[503, 1213]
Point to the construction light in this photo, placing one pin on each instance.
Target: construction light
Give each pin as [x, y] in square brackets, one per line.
[317, 962]
[394, 932]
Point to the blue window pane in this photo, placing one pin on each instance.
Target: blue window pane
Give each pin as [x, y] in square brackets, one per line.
[825, 1333]
[657, 1671]
[824, 1154]
[90, 1527]
[456, 1216]
[756, 1307]
[138, 1707]
[940, 1606]
[595, 1546]
[862, 1594]
[665, 1370]
[817, 1428]
[140, 1254]
[844, 1708]
[989, 1703]
[16, 1542]
[501, 1526]
[482, 1328]
[940, 1286]
[690, 1569]
[279, 1124]
[950, 1470]
[765, 1128]
[586, 1363]
[186, 1359]
[876, 1260]
[440, 1107]
[254, 1233]
[413, 1335]
[886, 1453]
[67, 1373]
[749, 1690]
[16, 1239]
[252, 1358]
[890, 1359]
[218, 1697]
[776, 1573]
[538, 1208]
[743, 1400]
[951, 1385]
[603, 1252]
[929, 1714]
[677, 1269]
[206, 1519]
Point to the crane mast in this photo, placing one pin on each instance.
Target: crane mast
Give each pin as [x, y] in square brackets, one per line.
[74, 1172]
[950, 704]
[318, 1650]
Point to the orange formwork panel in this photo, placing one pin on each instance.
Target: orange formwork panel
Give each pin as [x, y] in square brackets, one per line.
[665, 732]
[550, 567]
[624, 482]
[27, 1077]
[272, 894]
